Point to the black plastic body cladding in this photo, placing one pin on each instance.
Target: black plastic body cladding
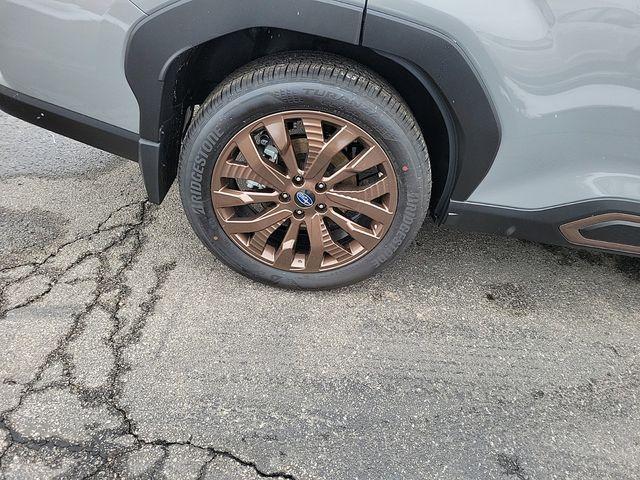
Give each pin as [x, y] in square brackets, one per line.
[70, 124]
[541, 225]
[157, 39]
[466, 97]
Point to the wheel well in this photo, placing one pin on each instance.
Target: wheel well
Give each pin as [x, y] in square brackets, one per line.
[195, 73]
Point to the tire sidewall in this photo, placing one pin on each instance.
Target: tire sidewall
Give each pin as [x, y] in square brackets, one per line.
[219, 122]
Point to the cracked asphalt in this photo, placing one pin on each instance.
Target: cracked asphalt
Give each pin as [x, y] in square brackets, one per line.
[128, 351]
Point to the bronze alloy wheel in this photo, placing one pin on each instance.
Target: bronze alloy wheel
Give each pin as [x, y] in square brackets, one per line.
[294, 197]
[304, 191]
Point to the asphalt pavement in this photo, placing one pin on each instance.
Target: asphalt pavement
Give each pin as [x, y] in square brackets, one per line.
[128, 351]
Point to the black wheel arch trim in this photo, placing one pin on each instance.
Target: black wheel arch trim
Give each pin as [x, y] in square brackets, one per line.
[155, 41]
[171, 30]
[161, 37]
[452, 127]
[478, 131]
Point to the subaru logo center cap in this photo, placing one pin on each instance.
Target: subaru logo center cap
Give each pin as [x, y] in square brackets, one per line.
[305, 199]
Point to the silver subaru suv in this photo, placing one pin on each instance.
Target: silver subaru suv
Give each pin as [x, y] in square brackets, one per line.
[311, 138]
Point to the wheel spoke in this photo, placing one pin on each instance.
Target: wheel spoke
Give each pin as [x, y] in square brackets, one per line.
[315, 138]
[364, 236]
[270, 175]
[316, 248]
[320, 242]
[248, 225]
[369, 192]
[287, 250]
[374, 212]
[320, 152]
[227, 197]
[239, 171]
[278, 132]
[260, 238]
[366, 159]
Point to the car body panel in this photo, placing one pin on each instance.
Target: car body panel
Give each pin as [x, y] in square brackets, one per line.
[70, 54]
[564, 76]
[150, 6]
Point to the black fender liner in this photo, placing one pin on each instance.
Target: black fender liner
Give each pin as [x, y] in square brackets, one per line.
[157, 40]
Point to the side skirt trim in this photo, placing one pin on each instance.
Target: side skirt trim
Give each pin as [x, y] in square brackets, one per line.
[547, 225]
[74, 125]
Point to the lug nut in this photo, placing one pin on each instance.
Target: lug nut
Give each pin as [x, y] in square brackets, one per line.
[298, 213]
[285, 197]
[298, 180]
[321, 207]
[321, 186]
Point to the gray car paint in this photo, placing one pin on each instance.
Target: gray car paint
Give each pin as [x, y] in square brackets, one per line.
[565, 79]
[564, 76]
[70, 54]
[151, 5]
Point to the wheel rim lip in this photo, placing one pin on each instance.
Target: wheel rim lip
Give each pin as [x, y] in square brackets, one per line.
[307, 184]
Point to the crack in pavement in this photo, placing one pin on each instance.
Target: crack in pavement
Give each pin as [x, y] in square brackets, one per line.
[205, 468]
[103, 447]
[214, 452]
[37, 266]
[107, 459]
[211, 451]
[511, 466]
[59, 352]
[98, 229]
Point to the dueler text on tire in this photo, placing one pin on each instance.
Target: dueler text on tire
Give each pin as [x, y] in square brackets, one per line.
[305, 171]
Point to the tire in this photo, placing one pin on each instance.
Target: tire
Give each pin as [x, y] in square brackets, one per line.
[327, 85]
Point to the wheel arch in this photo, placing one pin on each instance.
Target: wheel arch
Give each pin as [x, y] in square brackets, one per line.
[161, 44]
[160, 63]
